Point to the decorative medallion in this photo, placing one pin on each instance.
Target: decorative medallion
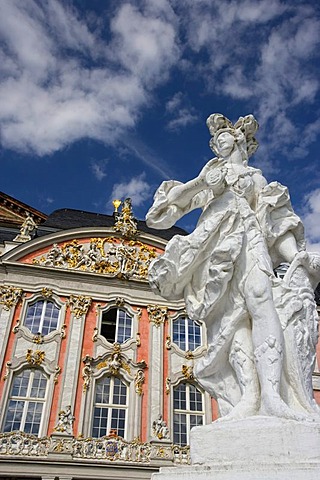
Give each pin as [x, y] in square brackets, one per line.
[35, 357]
[9, 296]
[125, 259]
[157, 314]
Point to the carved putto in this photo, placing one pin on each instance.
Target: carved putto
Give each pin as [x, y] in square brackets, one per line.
[65, 422]
[125, 222]
[127, 259]
[160, 428]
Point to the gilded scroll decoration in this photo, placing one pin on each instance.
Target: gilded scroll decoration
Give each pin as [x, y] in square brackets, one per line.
[79, 305]
[125, 259]
[46, 292]
[139, 381]
[125, 222]
[115, 362]
[9, 296]
[87, 373]
[157, 314]
[168, 383]
[187, 372]
[57, 372]
[38, 338]
[35, 357]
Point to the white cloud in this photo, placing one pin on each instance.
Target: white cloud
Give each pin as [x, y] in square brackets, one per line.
[311, 220]
[137, 189]
[258, 51]
[62, 82]
[98, 170]
[182, 114]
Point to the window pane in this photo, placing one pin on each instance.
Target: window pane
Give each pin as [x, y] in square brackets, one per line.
[39, 385]
[14, 416]
[103, 390]
[50, 320]
[194, 335]
[195, 399]
[100, 422]
[124, 326]
[33, 418]
[180, 429]
[20, 384]
[108, 325]
[118, 421]
[179, 397]
[119, 392]
[33, 317]
[179, 333]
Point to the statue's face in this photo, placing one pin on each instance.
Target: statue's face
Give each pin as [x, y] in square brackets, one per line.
[225, 143]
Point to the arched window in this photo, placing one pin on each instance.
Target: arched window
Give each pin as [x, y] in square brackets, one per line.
[26, 402]
[186, 333]
[42, 317]
[110, 407]
[116, 325]
[188, 411]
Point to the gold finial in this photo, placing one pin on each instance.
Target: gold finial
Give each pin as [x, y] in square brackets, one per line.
[116, 204]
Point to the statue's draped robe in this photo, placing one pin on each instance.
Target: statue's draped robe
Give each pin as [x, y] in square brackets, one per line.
[208, 269]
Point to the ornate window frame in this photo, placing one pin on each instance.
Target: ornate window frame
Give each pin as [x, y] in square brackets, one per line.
[207, 404]
[32, 360]
[44, 295]
[121, 304]
[117, 364]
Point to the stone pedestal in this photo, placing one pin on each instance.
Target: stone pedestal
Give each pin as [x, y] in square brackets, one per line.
[257, 448]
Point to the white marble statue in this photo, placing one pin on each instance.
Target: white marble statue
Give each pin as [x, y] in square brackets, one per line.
[262, 331]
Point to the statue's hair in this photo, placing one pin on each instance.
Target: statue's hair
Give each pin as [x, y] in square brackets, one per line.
[243, 131]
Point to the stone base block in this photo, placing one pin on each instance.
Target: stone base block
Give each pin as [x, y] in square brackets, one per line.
[257, 448]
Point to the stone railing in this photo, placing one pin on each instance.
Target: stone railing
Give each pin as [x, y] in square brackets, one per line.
[110, 449]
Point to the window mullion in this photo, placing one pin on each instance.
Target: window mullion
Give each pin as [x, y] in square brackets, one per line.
[26, 401]
[186, 329]
[44, 307]
[117, 325]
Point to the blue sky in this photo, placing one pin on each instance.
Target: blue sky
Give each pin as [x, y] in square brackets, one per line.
[106, 98]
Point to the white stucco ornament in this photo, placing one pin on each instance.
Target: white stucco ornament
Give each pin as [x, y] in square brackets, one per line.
[262, 331]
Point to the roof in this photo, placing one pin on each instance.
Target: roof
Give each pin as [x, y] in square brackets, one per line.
[66, 218]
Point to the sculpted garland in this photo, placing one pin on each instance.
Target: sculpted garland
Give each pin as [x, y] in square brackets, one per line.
[262, 331]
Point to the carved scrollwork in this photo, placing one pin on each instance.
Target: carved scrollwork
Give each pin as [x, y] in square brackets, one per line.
[9, 296]
[168, 342]
[139, 381]
[17, 326]
[87, 373]
[127, 259]
[168, 383]
[38, 338]
[157, 315]
[115, 362]
[95, 334]
[35, 357]
[63, 331]
[187, 372]
[46, 292]
[57, 372]
[7, 372]
[138, 339]
[79, 305]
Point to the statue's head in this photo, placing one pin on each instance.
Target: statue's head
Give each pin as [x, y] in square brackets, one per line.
[225, 135]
